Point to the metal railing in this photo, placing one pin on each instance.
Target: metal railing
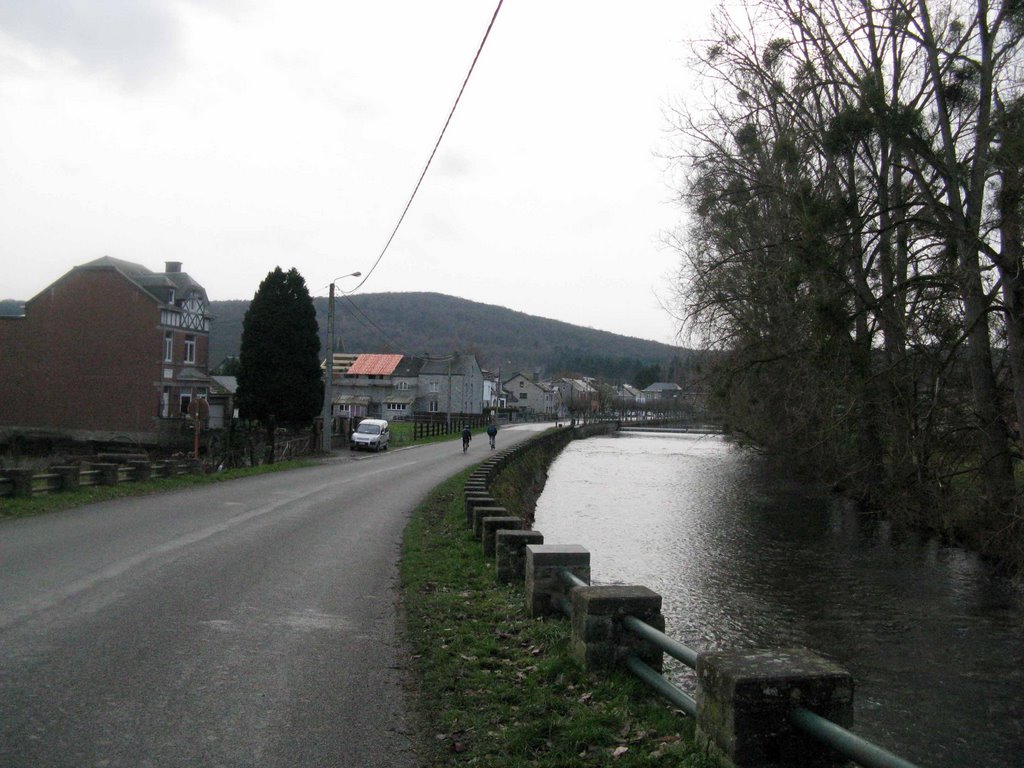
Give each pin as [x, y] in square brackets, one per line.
[846, 743]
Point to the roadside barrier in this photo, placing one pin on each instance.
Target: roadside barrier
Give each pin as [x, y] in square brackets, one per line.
[753, 708]
[26, 482]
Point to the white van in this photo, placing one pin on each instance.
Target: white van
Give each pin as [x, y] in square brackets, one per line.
[371, 434]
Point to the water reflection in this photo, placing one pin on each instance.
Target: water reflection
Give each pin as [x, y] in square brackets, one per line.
[743, 558]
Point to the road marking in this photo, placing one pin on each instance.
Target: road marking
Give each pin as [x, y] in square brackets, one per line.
[51, 598]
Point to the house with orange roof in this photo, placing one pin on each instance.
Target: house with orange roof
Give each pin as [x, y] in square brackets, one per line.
[392, 386]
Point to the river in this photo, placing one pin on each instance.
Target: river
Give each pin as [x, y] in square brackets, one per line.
[745, 559]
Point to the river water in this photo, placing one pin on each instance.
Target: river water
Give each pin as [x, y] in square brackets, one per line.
[745, 559]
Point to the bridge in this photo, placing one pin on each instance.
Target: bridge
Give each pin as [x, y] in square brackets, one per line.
[691, 429]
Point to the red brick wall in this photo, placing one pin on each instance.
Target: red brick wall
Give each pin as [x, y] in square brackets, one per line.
[87, 355]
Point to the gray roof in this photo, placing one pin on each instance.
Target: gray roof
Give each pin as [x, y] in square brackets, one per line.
[440, 366]
[191, 374]
[228, 383]
[662, 386]
[155, 283]
[410, 367]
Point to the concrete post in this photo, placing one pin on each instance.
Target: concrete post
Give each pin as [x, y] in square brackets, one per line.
[479, 513]
[598, 637]
[489, 527]
[21, 482]
[70, 477]
[744, 699]
[510, 553]
[141, 470]
[475, 490]
[107, 474]
[477, 500]
[544, 586]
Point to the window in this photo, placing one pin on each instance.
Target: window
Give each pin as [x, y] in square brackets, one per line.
[522, 384]
[190, 349]
[168, 346]
[185, 400]
[402, 385]
[394, 406]
[433, 406]
[165, 402]
[522, 395]
[433, 386]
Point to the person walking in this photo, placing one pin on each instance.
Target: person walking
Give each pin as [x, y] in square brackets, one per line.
[492, 430]
[466, 437]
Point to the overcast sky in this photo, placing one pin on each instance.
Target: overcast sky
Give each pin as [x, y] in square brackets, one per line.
[239, 135]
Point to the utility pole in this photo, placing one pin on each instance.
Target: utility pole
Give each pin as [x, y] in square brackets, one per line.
[449, 395]
[328, 412]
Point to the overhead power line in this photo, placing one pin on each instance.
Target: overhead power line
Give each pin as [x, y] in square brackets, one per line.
[364, 318]
[437, 144]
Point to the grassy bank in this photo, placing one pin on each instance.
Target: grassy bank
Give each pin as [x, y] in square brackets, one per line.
[497, 688]
[56, 502]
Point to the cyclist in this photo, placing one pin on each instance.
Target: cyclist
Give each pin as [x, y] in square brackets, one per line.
[492, 430]
[466, 437]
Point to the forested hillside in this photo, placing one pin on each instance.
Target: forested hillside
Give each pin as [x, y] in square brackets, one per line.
[433, 323]
[419, 323]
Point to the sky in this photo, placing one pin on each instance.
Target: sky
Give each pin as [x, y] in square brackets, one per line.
[235, 136]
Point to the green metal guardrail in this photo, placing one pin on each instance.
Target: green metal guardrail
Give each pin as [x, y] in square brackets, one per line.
[845, 742]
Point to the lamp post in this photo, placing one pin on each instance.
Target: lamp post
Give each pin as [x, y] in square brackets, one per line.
[328, 409]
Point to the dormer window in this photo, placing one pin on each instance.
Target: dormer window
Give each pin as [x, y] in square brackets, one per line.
[170, 295]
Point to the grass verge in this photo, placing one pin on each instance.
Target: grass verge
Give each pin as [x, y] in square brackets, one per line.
[402, 435]
[497, 688]
[57, 502]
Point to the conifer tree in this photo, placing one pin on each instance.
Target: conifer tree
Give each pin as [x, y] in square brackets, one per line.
[279, 377]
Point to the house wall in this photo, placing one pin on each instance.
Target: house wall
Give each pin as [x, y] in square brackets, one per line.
[86, 356]
[433, 388]
[536, 400]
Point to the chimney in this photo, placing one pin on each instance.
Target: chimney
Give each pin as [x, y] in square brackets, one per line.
[172, 266]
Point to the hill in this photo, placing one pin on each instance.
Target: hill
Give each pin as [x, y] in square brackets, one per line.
[419, 323]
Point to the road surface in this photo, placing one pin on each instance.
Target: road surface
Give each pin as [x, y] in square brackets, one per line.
[246, 623]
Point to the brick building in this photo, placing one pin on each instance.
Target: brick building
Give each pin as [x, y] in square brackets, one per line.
[111, 351]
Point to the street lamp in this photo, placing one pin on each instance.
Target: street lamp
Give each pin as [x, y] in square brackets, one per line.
[328, 410]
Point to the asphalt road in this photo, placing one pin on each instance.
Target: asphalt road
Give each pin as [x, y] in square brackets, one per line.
[247, 623]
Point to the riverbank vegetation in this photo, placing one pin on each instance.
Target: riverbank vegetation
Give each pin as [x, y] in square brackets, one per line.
[855, 191]
[497, 688]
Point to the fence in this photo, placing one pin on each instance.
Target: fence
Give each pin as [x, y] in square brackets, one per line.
[753, 709]
[290, 449]
[27, 482]
[433, 424]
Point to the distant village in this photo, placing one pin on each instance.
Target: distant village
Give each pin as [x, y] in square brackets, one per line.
[115, 352]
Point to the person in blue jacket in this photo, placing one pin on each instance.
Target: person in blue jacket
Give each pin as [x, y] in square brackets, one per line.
[492, 430]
